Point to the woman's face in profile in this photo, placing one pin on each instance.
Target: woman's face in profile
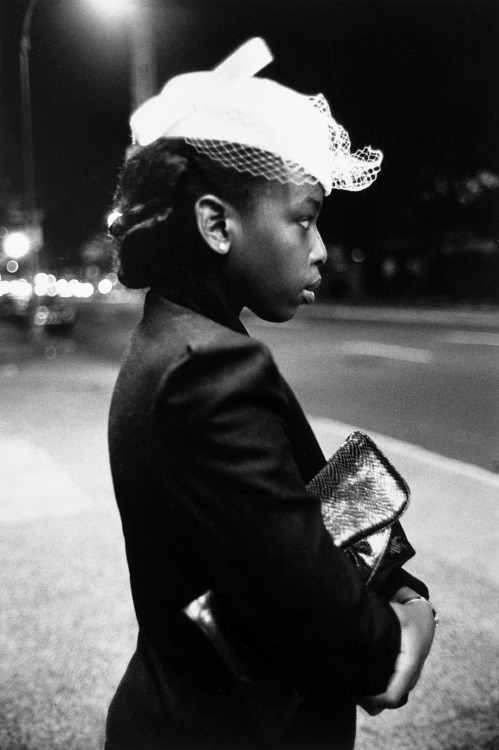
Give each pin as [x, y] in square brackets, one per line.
[276, 250]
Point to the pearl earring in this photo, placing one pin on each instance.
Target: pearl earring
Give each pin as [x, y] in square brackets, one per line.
[223, 247]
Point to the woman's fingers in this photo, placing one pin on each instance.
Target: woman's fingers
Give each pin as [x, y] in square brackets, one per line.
[417, 630]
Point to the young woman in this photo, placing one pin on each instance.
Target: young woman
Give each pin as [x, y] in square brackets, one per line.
[217, 210]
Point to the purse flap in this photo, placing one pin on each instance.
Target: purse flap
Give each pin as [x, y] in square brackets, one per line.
[361, 492]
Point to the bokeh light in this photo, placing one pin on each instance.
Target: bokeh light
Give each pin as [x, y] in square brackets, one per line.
[16, 245]
[112, 7]
[105, 286]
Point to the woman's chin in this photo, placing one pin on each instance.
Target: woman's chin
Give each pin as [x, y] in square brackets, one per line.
[276, 315]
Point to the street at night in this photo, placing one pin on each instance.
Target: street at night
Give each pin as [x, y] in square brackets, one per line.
[67, 599]
[402, 343]
[435, 386]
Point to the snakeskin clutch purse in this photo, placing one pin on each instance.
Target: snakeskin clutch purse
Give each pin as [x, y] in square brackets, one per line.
[362, 497]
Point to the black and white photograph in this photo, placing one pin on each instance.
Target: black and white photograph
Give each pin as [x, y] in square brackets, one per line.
[249, 374]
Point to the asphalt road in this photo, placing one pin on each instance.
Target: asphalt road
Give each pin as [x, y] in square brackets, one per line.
[436, 387]
[433, 386]
[67, 626]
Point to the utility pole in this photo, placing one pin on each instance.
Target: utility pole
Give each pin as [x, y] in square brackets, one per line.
[143, 72]
[31, 213]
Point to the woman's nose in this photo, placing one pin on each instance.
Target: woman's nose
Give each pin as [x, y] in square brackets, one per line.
[318, 255]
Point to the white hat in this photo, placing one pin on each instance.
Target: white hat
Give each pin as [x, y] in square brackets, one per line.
[256, 125]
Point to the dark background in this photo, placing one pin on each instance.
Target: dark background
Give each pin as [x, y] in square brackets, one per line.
[416, 78]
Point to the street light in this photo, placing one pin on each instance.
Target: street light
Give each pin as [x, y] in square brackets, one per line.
[142, 87]
[16, 245]
[30, 208]
[112, 7]
[141, 37]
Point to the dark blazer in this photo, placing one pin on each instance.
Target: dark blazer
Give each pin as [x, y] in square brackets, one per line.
[210, 454]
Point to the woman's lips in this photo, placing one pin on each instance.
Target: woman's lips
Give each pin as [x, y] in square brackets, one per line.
[309, 291]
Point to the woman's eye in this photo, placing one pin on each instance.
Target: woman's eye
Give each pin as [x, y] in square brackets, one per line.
[305, 223]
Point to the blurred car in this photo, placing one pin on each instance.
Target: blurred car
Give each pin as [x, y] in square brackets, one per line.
[8, 307]
[55, 314]
[15, 308]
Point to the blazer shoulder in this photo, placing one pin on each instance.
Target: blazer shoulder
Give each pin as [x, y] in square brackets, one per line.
[174, 333]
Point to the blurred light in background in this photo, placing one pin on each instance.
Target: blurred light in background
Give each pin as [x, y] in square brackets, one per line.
[19, 288]
[47, 285]
[112, 7]
[16, 245]
[62, 288]
[86, 289]
[358, 255]
[105, 286]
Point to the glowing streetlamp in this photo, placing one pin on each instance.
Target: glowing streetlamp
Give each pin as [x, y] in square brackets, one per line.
[142, 87]
[140, 29]
[112, 7]
[16, 245]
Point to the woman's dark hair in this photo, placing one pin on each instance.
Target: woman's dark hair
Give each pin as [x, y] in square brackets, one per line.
[154, 203]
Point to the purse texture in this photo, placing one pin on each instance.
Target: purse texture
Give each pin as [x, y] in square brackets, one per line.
[362, 497]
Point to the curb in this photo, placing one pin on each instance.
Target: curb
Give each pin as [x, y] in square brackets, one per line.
[448, 317]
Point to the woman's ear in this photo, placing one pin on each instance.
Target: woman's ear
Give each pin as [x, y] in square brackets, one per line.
[211, 218]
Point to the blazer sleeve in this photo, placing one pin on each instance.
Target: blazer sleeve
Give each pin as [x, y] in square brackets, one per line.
[257, 532]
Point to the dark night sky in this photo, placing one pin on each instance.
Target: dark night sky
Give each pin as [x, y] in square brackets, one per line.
[416, 78]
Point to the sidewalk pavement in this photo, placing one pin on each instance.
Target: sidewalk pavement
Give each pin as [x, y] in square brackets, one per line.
[67, 626]
[453, 523]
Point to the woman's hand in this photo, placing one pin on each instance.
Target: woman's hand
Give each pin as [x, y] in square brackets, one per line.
[417, 624]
